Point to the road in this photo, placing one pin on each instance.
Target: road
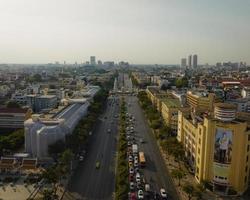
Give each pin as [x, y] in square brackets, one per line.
[155, 171]
[98, 184]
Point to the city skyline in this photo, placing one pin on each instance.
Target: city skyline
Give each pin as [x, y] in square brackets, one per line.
[141, 32]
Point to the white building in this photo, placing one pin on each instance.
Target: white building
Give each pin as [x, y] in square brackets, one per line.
[41, 132]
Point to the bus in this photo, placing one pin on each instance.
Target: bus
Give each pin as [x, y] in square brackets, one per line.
[142, 159]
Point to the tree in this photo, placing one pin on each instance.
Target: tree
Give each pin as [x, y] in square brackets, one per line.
[13, 104]
[178, 174]
[48, 195]
[189, 189]
[56, 148]
[181, 82]
[65, 160]
[156, 124]
[37, 78]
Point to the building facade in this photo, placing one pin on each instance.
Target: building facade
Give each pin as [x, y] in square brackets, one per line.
[215, 145]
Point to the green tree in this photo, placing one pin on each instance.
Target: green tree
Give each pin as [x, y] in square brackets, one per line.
[48, 195]
[56, 148]
[13, 104]
[178, 174]
[189, 189]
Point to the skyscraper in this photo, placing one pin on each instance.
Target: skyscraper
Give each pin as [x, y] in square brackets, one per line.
[183, 62]
[195, 61]
[190, 61]
[92, 60]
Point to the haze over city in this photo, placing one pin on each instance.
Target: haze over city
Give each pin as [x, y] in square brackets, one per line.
[143, 31]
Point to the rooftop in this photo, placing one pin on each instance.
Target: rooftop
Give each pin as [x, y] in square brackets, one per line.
[171, 102]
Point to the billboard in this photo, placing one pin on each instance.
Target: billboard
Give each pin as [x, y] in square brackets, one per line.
[223, 146]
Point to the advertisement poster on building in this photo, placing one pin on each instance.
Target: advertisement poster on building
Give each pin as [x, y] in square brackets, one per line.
[223, 146]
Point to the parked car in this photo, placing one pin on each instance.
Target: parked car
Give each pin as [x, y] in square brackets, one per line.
[131, 170]
[132, 186]
[163, 193]
[138, 177]
[132, 196]
[140, 194]
[147, 187]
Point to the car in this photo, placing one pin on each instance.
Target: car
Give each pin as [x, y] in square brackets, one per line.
[156, 196]
[136, 169]
[140, 194]
[132, 196]
[116, 116]
[131, 170]
[131, 177]
[97, 165]
[132, 186]
[147, 187]
[136, 159]
[81, 158]
[136, 163]
[109, 131]
[138, 177]
[129, 143]
[142, 141]
[163, 193]
[139, 185]
[130, 164]
[130, 158]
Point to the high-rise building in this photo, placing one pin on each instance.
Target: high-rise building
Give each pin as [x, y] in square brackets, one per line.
[92, 60]
[190, 61]
[195, 61]
[183, 62]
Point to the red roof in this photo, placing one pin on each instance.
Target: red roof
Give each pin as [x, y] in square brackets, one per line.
[13, 110]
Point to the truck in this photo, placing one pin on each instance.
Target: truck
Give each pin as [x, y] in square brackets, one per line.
[135, 149]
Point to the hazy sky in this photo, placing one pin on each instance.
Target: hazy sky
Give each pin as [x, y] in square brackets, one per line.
[138, 31]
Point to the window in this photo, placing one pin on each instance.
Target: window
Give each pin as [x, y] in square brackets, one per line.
[246, 168]
[247, 148]
[197, 170]
[199, 150]
[248, 137]
[245, 179]
[199, 141]
[247, 159]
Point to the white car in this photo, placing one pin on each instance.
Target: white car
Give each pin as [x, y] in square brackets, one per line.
[130, 158]
[140, 194]
[163, 193]
[138, 177]
[131, 170]
[81, 158]
[136, 158]
[132, 186]
[136, 163]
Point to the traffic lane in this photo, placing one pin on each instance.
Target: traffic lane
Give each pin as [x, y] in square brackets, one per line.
[85, 178]
[149, 172]
[98, 157]
[105, 180]
[155, 167]
[103, 170]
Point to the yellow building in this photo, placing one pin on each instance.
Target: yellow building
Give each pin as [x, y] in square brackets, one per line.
[166, 104]
[201, 100]
[217, 146]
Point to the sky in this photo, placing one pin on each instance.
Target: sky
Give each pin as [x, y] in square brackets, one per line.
[137, 31]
